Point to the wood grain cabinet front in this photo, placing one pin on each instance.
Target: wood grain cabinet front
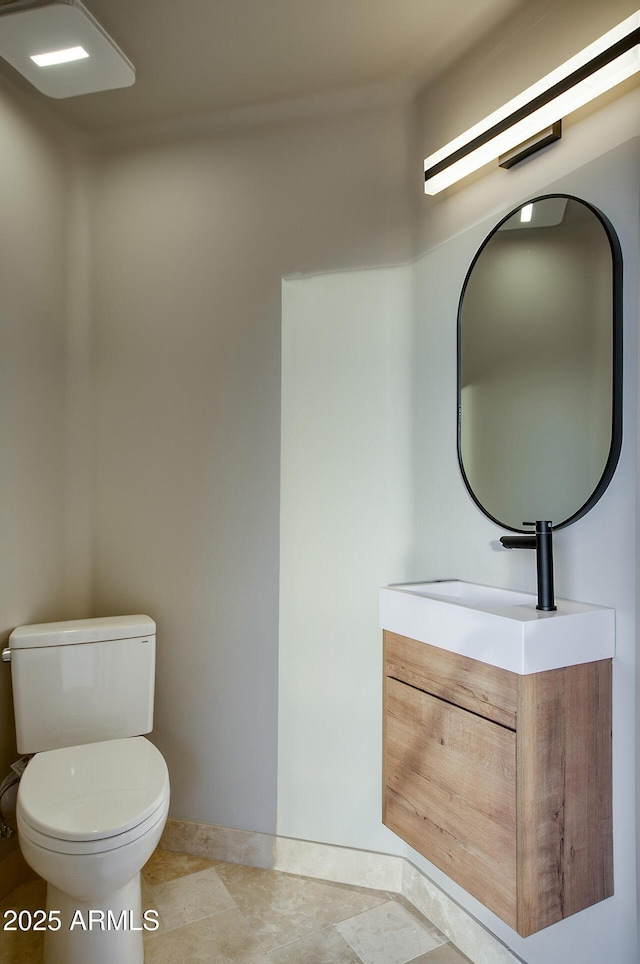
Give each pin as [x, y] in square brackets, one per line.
[502, 781]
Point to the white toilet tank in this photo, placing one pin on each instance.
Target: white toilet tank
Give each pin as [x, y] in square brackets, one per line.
[82, 681]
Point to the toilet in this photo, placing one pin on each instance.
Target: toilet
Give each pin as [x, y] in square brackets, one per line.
[93, 800]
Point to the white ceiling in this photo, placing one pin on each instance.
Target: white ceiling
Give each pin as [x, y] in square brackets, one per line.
[200, 57]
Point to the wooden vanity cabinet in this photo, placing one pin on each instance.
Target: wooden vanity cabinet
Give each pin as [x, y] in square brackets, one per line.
[502, 781]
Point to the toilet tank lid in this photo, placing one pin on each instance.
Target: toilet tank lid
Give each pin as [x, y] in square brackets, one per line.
[81, 631]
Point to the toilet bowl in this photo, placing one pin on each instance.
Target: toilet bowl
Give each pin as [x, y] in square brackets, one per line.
[93, 800]
[89, 817]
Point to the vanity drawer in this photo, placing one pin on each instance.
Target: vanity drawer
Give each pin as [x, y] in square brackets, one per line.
[522, 819]
[450, 792]
[487, 690]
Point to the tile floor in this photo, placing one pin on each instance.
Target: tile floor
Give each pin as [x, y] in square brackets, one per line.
[220, 913]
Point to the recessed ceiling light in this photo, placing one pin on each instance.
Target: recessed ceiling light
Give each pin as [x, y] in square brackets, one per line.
[34, 29]
[59, 56]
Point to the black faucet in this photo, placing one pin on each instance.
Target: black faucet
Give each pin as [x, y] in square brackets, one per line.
[542, 543]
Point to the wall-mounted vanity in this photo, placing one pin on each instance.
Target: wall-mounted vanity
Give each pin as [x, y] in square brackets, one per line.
[497, 744]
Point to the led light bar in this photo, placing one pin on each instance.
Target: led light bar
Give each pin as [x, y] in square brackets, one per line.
[599, 67]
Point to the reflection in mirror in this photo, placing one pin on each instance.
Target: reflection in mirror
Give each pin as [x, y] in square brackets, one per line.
[539, 364]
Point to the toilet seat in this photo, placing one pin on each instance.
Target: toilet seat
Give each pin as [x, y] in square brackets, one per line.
[96, 846]
[94, 797]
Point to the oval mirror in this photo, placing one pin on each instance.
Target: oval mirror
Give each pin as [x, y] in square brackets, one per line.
[540, 364]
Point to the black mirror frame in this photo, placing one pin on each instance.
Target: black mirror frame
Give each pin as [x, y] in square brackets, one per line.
[617, 321]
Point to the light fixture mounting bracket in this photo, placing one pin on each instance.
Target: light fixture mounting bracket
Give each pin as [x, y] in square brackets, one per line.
[531, 146]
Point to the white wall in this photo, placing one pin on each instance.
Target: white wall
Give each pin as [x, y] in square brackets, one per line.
[595, 557]
[346, 527]
[598, 159]
[141, 363]
[593, 561]
[193, 237]
[42, 577]
[363, 505]
[36, 184]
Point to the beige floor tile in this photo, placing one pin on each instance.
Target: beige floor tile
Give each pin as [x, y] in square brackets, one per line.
[164, 865]
[282, 908]
[323, 947]
[188, 899]
[389, 934]
[148, 903]
[224, 913]
[30, 896]
[445, 954]
[225, 938]
[22, 946]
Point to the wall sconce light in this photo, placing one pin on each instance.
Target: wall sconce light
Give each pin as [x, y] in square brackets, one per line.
[61, 48]
[533, 118]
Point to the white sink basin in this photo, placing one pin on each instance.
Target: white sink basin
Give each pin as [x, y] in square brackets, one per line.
[499, 626]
